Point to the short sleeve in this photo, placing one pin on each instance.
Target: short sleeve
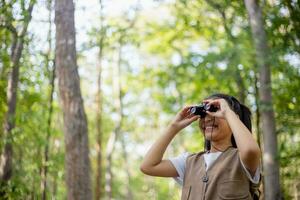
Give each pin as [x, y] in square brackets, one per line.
[255, 179]
[179, 163]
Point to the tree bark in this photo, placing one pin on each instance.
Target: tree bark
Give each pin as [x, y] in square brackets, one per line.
[77, 162]
[98, 185]
[13, 80]
[50, 107]
[270, 162]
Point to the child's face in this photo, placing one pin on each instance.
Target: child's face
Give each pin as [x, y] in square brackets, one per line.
[215, 129]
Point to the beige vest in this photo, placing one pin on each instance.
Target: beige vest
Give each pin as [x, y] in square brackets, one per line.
[225, 178]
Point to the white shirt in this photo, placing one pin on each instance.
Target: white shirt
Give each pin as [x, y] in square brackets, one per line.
[179, 163]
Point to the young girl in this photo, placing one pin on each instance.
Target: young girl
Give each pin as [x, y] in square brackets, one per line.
[229, 166]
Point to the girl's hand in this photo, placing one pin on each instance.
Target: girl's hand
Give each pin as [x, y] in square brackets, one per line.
[184, 118]
[221, 104]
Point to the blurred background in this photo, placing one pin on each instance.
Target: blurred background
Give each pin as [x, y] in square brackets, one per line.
[139, 62]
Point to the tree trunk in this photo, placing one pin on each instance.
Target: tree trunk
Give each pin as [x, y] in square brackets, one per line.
[129, 194]
[54, 187]
[119, 108]
[77, 162]
[50, 107]
[270, 162]
[98, 191]
[98, 185]
[114, 135]
[13, 79]
[108, 168]
[257, 112]
[258, 128]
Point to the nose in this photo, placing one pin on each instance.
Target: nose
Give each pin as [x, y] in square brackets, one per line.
[208, 118]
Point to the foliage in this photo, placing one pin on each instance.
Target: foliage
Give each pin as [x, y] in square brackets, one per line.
[201, 47]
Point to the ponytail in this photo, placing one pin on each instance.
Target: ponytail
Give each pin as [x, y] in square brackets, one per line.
[246, 117]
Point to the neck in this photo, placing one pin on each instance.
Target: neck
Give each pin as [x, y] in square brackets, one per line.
[219, 146]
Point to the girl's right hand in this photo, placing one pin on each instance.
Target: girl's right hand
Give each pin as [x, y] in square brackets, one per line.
[184, 118]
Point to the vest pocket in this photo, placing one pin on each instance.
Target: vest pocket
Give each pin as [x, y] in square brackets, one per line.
[186, 191]
[233, 189]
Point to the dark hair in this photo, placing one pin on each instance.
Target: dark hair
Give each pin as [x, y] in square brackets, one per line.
[241, 110]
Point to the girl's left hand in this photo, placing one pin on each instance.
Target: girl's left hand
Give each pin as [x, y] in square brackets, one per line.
[221, 104]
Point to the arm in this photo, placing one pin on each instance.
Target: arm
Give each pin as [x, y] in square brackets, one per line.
[153, 164]
[249, 151]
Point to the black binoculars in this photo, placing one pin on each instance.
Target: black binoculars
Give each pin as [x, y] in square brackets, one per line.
[202, 108]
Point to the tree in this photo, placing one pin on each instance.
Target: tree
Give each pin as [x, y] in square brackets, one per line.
[98, 191]
[77, 162]
[48, 59]
[9, 122]
[122, 35]
[270, 162]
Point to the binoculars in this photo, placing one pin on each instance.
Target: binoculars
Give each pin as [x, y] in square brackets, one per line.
[202, 108]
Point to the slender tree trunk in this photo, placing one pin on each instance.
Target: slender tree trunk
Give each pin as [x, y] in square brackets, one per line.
[114, 135]
[50, 106]
[258, 129]
[271, 167]
[13, 79]
[54, 187]
[117, 132]
[257, 112]
[129, 194]
[241, 86]
[98, 185]
[108, 168]
[77, 162]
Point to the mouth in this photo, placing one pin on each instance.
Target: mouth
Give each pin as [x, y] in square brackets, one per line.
[209, 127]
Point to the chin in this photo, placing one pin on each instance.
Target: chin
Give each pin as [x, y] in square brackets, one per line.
[209, 135]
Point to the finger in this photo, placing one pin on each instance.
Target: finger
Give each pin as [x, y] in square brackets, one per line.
[206, 100]
[194, 118]
[183, 112]
[186, 108]
[210, 101]
[190, 115]
[209, 113]
[214, 114]
[215, 102]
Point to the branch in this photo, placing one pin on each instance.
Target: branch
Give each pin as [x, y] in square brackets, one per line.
[221, 11]
[27, 18]
[10, 28]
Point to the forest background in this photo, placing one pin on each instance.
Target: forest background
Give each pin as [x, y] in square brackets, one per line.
[139, 62]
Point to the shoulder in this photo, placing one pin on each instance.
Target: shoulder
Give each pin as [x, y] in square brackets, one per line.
[194, 157]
